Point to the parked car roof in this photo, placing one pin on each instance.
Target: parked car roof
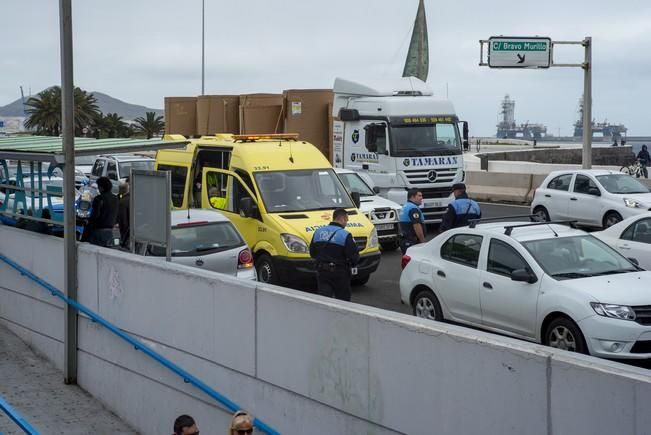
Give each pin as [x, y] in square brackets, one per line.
[197, 216]
[534, 232]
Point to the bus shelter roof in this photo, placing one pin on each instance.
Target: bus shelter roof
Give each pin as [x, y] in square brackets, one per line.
[50, 149]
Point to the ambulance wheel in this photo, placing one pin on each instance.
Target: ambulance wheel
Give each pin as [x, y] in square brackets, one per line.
[389, 246]
[358, 282]
[266, 270]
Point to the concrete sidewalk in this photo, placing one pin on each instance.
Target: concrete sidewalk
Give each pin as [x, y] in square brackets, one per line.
[35, 388]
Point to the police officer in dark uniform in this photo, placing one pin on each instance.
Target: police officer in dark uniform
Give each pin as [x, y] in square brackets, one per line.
[460, 210]
[335, 253]
[412, 221]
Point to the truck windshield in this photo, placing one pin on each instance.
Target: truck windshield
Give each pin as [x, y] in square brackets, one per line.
[424, 140]
[302, 190]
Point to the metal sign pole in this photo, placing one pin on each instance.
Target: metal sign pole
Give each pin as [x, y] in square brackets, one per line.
[69, 230]
[587, 104]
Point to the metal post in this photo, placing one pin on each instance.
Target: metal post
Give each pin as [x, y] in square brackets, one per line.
[203, 47]
[70, 248]
[587, 104]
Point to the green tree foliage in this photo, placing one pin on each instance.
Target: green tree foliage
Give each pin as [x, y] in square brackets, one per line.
[45, 111]
[151, 125]
[115, 126]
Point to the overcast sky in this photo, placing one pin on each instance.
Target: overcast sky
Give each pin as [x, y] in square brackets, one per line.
[143, 50]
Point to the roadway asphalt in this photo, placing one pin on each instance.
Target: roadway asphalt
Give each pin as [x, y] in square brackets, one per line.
[382, 290]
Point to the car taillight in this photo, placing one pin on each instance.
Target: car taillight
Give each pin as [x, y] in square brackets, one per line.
[405, 261]
[245, 259]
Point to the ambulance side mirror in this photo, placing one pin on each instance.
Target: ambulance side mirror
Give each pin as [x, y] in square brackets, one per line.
[356, 199]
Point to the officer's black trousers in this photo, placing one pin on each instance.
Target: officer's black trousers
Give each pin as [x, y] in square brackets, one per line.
[335, 284]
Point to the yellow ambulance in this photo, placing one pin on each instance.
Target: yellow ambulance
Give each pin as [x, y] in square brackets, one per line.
[277, 190]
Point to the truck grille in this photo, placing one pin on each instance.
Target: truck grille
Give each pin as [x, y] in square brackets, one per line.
[436, 192]
[427, 176]
[360, 242]
[643, 314]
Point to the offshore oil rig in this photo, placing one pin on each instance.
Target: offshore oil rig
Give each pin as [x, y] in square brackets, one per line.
[604, 129]
[508, 129]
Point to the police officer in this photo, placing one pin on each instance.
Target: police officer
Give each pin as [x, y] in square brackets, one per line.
[412, 221]
[335, 253]
[460, 210]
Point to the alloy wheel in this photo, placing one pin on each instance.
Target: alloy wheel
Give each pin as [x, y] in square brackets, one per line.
[425, 309]
[562, 338]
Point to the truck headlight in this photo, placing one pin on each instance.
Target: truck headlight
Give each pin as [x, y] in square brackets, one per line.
[294, 244]
[615, 311]
[373, 241]
[632, 203]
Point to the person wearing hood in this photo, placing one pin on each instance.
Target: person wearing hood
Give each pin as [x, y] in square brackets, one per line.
[644, 158]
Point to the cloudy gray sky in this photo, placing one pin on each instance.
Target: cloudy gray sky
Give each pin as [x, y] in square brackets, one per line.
[143, 50]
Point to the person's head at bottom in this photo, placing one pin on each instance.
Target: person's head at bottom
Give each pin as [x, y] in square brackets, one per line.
[340, 215]
[185, 425]
[241, 424]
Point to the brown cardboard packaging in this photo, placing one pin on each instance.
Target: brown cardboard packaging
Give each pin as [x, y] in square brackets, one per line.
[308, 112]
[181, 115]
[218, 114]
[261, 113]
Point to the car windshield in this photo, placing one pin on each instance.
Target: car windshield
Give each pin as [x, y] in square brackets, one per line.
[577, 257]
[200, 239]
[424, 139]
[621, 183]
[301, 190]
[354, 183]
[125, 167]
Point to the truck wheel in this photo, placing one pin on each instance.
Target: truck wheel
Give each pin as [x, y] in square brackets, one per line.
[264, 266]
[358, 282]
[389, 246]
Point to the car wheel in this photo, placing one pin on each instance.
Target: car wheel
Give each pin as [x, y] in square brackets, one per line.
[264, 266]
[611, 219]
[389, 246]
[357, 282]
[427, 306]
[562, 333]
[541, 213]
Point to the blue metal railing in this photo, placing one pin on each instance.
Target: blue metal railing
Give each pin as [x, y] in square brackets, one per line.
[138, 345]
[17, 418]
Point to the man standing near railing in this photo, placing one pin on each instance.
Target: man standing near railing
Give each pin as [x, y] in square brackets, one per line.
[103, 216]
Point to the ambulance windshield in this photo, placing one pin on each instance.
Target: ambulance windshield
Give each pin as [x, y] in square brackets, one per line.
[301, 190]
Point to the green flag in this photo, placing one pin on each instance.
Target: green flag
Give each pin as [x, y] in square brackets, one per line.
[417, 63]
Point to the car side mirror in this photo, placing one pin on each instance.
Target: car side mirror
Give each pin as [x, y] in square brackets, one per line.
[356, 199]
[248, 207]
[594, 191]
[523, 275]
[376, 189]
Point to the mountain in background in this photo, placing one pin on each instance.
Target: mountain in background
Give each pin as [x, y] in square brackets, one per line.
[106, 104]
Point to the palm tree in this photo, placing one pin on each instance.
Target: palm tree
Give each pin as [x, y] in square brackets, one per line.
[152, 125]
[45, 111]
[114, 124]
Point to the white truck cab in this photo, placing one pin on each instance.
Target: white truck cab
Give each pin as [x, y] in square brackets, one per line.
[383, 213]
[401, 136]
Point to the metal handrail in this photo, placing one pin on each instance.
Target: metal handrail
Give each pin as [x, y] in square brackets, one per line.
[17, 418]
[138, 345]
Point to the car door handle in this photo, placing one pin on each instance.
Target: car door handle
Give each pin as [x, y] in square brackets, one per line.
[441, 273]
[488, 285]
[199, 262]
[547, 195]
[573, 198]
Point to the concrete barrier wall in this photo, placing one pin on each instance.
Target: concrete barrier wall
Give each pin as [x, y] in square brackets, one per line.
[302, 363]
[616, 156]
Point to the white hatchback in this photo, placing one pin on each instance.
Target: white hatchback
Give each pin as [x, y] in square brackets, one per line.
[545, 283]
[596, 198]
[631, 237]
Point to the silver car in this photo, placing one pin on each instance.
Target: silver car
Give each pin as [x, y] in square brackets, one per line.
[207, 240]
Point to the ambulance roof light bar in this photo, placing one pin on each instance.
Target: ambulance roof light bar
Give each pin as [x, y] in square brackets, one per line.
[254, 137]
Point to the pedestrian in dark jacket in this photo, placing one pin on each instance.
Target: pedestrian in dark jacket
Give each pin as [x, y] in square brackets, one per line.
[460, 210]
[645, 159]
[123, 213]
[335, 252]
[103, 216]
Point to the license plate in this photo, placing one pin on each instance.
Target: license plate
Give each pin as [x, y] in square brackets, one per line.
[383, 227]
[435, 204]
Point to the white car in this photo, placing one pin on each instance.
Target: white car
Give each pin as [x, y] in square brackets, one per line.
[545, 283]
[631, 237]
[207, 240]
[383, 213]
[596, 198]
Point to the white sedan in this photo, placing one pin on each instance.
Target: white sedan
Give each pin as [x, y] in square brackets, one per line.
[595, 197]
[545, 283]
[631, 237]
